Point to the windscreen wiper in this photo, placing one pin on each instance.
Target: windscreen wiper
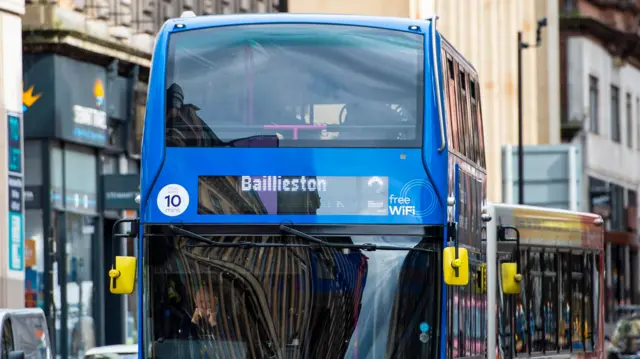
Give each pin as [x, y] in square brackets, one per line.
[243, 244]
[368, 247]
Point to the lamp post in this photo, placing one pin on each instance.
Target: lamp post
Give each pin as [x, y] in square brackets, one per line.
[521, 46]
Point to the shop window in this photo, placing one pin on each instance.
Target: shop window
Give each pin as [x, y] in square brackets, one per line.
[80, 179]
[80, 283]
[110, 165]
[34, 258]
[33, 163]
[115, 130]
[56, 177]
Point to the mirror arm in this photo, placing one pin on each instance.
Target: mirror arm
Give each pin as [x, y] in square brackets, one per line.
[453, 235]
[517, 249]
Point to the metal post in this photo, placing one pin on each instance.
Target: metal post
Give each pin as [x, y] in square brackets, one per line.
[520, 151]
[521, 46]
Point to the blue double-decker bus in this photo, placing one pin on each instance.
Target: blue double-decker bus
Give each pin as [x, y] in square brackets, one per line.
[311, 188]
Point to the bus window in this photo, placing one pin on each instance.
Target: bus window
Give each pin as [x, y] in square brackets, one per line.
[480, 126]
[550, 298]
[447, 99]
[588, 302]
[233, 82]
[565, 299]
[534, 300]
[462, 112]
[577, 297]
[452, 104]
[474, 121]
[471, 153]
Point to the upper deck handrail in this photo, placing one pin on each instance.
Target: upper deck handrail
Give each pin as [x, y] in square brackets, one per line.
[436, 66]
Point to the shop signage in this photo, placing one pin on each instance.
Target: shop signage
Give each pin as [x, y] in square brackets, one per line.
[15, 192]
[32, 197]
[66, 99]
[120, 191]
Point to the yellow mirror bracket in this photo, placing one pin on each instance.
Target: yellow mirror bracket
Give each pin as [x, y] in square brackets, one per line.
[517, 277]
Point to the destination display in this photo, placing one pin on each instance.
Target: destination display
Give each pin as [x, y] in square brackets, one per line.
[321, 195]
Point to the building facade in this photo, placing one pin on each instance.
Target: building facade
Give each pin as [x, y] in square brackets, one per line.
[601, 101]
[485, 32]
[85, 67]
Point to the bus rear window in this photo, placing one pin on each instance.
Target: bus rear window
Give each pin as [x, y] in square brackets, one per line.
[294, 85]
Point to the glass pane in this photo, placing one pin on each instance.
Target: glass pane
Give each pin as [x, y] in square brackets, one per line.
[32, 163]
[80, 179]
[535, 301]
[577, 291]
[80, 236]
[133, 166]
[565, 299]
[354, 86]
[249, 298]
[109, 165]
[589, 308]
[34, 258]
[56, 177]
[550, 294]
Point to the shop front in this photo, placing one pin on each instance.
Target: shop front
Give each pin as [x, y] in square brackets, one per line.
[74, 115]
[617, 205]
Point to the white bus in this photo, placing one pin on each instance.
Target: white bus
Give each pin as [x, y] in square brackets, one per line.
[545, 277]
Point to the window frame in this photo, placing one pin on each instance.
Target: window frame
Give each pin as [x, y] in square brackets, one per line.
[462, 110]
[594, 104]
[629, 113]
[615, 114]
[449, 101]
[473, 118]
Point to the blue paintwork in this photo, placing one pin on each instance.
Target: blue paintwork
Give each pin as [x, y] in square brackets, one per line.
[184, 165]
[161, 166]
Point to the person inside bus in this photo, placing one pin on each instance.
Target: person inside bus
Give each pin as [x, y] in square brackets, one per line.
[184, 127]
[364, 118]
[206, 307]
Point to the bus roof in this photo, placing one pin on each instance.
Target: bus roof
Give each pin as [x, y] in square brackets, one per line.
[549, 226]
[385, 22]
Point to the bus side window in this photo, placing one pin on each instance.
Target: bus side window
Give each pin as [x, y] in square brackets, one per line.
[450, 88]
[460, 107]
[471, 135]
[474, 121]
[480, 126]
[464, 111]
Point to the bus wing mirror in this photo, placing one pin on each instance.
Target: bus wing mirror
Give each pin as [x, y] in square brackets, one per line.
[510, 278]
[480, 279]
[123, 275]
[510, 271]
[455, 267]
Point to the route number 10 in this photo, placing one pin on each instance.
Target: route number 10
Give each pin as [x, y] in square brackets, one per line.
[173, 200]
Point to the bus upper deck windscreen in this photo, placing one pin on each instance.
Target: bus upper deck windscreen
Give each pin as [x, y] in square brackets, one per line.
[308, 85]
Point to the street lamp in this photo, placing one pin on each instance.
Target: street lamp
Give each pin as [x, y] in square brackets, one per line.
[521, 46]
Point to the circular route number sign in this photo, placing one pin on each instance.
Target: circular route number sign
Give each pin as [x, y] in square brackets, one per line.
[173, 200]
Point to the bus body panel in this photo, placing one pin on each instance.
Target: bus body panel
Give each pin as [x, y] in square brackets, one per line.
[424, 170]
[418, 201]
